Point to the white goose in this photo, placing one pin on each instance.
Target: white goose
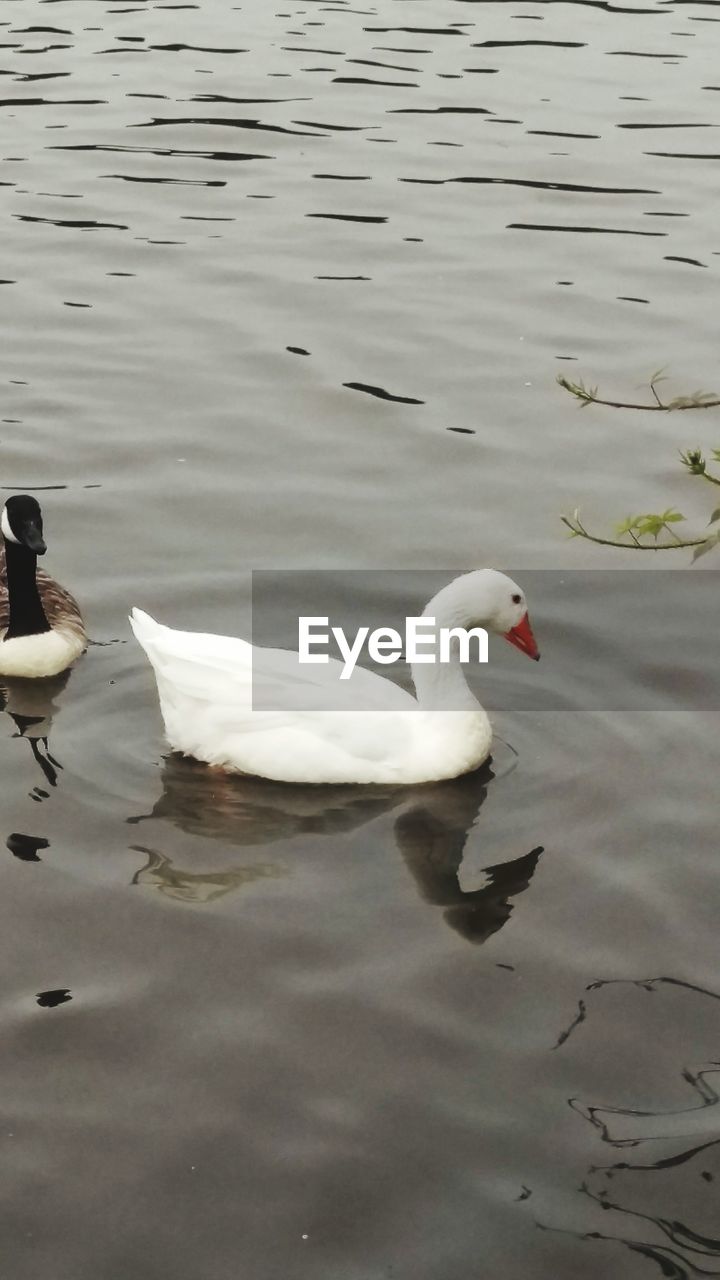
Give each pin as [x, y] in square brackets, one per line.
[206, 682]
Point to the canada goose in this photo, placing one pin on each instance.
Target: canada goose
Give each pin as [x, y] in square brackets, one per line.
[40, 622]
[205, 690]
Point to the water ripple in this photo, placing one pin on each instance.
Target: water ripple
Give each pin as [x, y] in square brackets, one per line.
[381, 393]
[609, 231]
[224, 122]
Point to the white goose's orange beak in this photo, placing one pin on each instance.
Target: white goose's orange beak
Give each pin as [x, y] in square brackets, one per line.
[522, 637]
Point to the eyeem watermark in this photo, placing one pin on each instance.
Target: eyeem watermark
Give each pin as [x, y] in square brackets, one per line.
[422, 642]
[611, 639]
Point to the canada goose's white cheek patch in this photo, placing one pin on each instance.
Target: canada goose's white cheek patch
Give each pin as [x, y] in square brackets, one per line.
[7, 531]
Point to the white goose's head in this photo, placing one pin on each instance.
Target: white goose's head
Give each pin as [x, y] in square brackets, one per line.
[22, 523]
[487, 598]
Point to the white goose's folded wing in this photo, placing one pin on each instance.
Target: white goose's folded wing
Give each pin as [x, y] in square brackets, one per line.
[212, 690]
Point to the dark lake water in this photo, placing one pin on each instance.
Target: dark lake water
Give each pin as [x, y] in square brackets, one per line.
[288, 286]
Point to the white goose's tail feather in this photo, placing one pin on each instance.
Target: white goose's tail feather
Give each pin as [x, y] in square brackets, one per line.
[203, 683]
[148, 634]
[144, 627]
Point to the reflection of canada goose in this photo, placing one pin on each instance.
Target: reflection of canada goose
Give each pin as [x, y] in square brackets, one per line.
[431, 833]
[31, 705]
[383, 736]
[41, 624]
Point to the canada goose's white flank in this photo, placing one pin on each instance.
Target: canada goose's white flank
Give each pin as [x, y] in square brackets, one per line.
[41, 627]
[205, 688]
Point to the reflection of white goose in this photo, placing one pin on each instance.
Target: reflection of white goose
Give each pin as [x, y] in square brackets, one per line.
[430, 832]
[245, 812]
[205, 684]
[176, 882]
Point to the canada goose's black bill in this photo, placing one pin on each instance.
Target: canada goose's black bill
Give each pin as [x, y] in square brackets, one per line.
[33, 539]
[22, 523]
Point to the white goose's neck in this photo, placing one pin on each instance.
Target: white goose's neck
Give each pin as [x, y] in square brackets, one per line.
[441, 686]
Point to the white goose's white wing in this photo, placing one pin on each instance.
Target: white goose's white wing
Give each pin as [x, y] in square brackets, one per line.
[206, 685]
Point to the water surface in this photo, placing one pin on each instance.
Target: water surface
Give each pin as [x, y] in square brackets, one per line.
[289, 287]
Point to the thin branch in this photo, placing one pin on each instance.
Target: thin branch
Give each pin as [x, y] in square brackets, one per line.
[581, 532]
[589, 395]
[642, 532]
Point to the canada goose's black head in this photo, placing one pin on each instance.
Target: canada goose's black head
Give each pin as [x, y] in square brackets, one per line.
[22, 523]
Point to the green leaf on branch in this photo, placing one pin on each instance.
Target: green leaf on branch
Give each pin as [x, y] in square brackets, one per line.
[694, 461]
[627, 525]
[650, 526]
[586, 395]
[708, 545]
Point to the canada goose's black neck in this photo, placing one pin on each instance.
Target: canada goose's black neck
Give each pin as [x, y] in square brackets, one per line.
[27, 616]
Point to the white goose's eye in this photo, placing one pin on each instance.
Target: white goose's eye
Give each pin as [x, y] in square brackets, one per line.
[517, 599]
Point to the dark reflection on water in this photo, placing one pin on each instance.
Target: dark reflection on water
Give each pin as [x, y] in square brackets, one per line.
[31, 705]
[609, 231]
[51, 999]
[658, 1204]
[430, 832]
[26, 847]
[160, 873]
